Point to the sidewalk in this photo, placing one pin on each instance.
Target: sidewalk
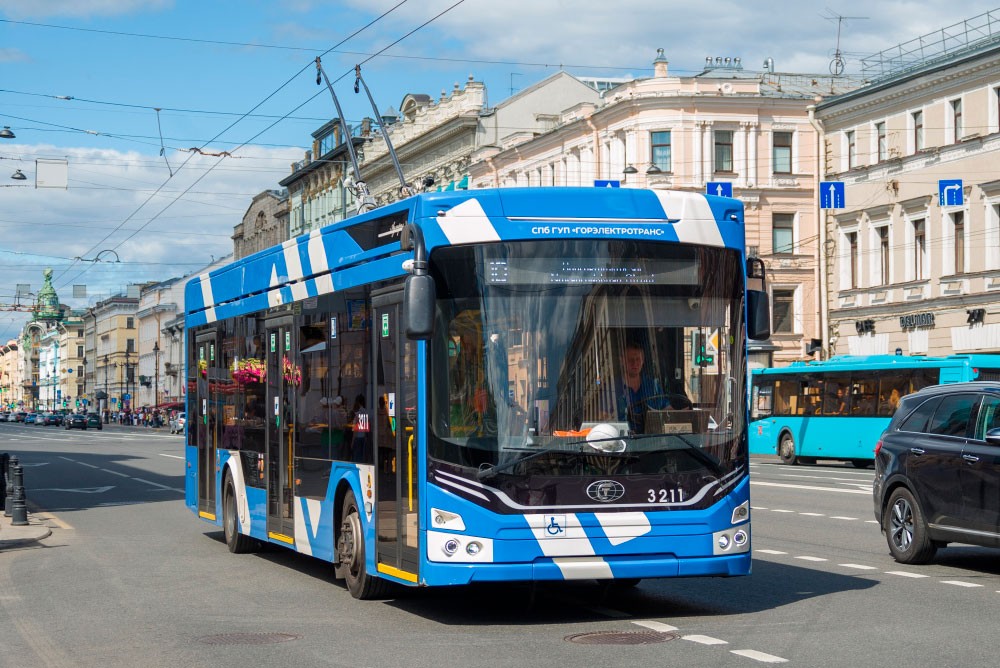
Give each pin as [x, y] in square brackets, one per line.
[11, 536]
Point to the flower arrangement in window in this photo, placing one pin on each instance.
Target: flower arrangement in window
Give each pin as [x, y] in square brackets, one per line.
[250, 370]
[203, 368]
[291, 371]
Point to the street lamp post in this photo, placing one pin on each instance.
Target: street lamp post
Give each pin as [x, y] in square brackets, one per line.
[105, 381]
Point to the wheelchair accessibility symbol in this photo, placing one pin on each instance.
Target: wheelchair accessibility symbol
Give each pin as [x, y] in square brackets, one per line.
[555, 525]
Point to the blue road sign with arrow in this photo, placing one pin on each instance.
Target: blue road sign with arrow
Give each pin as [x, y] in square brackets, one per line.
[831, 195]
[598, 183]
[720, 188]
[950, 192]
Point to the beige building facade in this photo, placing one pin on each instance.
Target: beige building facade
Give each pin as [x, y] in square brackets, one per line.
[912, 260]
[748, 130]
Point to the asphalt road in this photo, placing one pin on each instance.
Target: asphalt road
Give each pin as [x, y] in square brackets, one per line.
[129, 577]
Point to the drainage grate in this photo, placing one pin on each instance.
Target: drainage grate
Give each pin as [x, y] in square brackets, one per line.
[248, 638]
[620, 638]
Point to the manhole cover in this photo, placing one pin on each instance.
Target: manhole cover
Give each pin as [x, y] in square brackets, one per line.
[620, 638]
[248, 638]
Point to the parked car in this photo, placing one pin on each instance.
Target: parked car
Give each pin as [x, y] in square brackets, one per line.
[94, 421]
[75, 421]
[55, 419]
[937, 471]
[177, 423]
[29, 418]
[20, 416]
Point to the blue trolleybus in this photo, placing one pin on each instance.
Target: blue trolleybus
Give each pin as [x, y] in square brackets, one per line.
[487, 385]
[838, 408]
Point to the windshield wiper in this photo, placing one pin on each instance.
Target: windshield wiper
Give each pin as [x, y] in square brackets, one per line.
[490, 471]
[691, 449]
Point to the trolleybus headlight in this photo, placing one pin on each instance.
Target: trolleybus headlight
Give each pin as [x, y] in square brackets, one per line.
[450, 546]
[740, 538]
[473, 548]
[724, 542]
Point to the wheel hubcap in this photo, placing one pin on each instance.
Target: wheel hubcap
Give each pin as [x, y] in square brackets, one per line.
[349, 536]
[901, 525]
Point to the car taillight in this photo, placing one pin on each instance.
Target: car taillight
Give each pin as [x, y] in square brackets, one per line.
[878, 446]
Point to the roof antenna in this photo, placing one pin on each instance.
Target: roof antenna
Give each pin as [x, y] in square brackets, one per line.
[404, 189]
[360, 189]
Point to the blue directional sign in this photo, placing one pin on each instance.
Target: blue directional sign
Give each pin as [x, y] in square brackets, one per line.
[950, 192]
[720, 188]
[831, 194]
[607, 184]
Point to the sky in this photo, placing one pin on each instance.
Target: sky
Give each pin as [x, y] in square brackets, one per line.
[173, 114]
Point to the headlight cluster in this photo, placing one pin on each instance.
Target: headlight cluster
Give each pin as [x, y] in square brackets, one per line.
[731, 541]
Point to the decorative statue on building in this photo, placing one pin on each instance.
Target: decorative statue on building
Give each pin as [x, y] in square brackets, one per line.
[48, 301]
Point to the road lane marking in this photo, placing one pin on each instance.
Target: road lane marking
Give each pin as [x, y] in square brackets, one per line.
[813, 514]
[659, 627]
[171, 456]
[154, 484]
[757, 508]
[959, 583]
[758, 656]
[860, 567]
[840, 517]
[123, 475]
[779, 510]
[906, 574]
[704, 640]
[810, 487]
[806, 558]
[770, 551]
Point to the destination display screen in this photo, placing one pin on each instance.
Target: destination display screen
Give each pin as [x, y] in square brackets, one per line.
[591, 271]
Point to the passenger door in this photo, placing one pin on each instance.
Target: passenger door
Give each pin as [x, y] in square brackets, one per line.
[981, 476]
[283, 377]
[935, 463]
[398, 457]
[205, 425]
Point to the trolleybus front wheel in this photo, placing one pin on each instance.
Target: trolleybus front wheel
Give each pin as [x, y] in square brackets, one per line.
[351, 554]
[238, 543]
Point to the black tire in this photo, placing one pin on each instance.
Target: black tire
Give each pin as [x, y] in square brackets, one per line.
[351, 555]
[861, 463]
[905, 529]
[238, 543]
[786, 449]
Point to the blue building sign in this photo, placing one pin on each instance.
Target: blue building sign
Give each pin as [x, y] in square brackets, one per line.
[720, 188]
[950, 192]
[607, 184]
[831, 195]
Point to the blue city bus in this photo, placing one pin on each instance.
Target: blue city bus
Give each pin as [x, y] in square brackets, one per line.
[838, 408]
[426, 394]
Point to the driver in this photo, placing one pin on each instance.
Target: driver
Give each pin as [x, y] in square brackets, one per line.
[639, 391]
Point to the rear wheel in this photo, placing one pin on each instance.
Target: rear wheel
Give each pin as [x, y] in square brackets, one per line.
[351, 555]
[905, 529]
[786, 449]
[238, 543]
[861, 463]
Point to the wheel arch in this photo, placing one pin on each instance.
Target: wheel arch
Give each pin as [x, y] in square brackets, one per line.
[234, 471]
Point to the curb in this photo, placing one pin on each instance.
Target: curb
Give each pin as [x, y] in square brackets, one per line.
[12, 536]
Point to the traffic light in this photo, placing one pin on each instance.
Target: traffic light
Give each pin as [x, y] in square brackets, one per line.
[701, 357]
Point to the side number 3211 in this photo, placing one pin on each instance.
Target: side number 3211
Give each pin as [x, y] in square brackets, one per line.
[675, 495]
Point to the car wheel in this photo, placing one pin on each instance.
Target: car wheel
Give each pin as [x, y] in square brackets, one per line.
[861, 463]
[905, 529]
[351, 555]
[786, 449]
[238, 543]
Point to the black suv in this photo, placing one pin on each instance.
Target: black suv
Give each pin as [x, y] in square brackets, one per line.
[937, 471]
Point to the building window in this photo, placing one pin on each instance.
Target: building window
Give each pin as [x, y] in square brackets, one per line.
[129, 323]
[723, 150]
[918, 131]
[79, 333]
[660, 142]
[993, 237]
[919, 248]
[130, 345]
[784, 311]
[852, 259]
[956, 121]
[782, 153]
[79, 371]
[783, 232]
[881, 148]
[883, 246]
[79, 351]
[958, 221]
[852, 151]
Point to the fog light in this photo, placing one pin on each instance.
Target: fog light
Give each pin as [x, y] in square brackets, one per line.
[740, 538]
[473, 548]
[724, 542]
[741, 513]
[450, 547]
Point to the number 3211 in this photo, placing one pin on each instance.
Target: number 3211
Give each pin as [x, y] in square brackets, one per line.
[665, 495]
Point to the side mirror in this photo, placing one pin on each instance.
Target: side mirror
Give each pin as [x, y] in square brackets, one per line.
[419, 294]
[758, 315]
[993, 436]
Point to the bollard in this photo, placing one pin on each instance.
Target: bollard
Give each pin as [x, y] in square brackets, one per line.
[19, 510]
[10, 487]
[4, 466]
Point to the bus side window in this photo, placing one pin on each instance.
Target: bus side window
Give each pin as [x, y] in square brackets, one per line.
[763, 395]
[785, 397]
[891, 389]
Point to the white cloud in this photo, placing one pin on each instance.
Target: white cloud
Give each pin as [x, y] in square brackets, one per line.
[12, 56]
